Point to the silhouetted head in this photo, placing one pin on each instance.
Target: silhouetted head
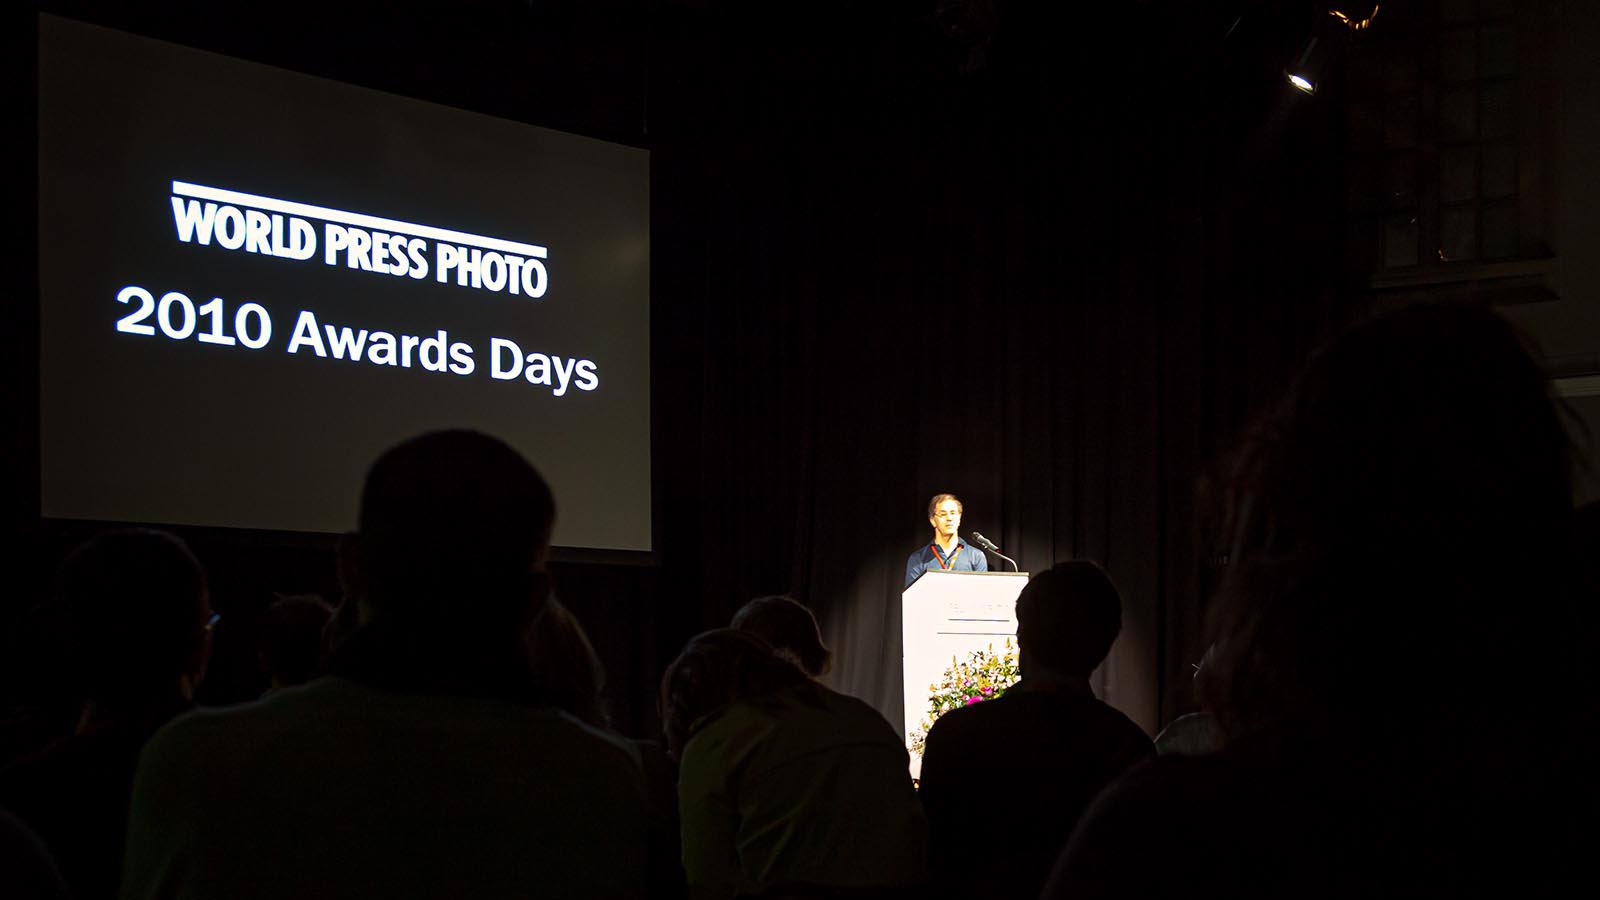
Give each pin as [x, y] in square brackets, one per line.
[289, 636]
[568, 671]
[138, 607]
[715, 669]
[1067, 619]
[452, 536]
[789, 628]
[1394, 533]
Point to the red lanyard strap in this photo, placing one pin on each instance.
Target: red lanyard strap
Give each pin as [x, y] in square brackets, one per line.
[943, 563]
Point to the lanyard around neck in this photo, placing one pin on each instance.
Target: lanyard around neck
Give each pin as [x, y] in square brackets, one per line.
[945, 564]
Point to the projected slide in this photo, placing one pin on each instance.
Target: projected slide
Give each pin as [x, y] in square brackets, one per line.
[254, 281]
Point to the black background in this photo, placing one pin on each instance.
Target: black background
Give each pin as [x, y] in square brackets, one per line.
[1049, 257]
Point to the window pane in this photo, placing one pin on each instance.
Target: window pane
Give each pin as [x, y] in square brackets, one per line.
[1499, 50]
[1458, 175]
[1499, 170]
[1366, 75]
[1458, 233]
[1366, 127]
[1400, 182]
[1499, 232]
[1458, 55]
[1400, 123]
[1400, 242]
[1458, 114]
[1499, 110]
[1362, 243]
[1366, 183]
[1400, 75]
[1458, 10]
[1495, 9]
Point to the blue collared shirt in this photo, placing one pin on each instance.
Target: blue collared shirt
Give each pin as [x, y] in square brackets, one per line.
[932, 556]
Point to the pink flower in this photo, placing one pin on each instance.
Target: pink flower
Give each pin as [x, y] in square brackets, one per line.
[972, 700]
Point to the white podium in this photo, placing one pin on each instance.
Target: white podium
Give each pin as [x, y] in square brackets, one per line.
[945, 616]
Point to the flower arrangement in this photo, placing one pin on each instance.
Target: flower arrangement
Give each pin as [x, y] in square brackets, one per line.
[983, 675]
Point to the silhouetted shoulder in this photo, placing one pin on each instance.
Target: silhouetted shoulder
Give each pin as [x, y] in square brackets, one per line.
[1171, 809]
[805, 711]
[857, 711]
[1066, 720]
[533, 795]
[29, 871]
[330, 709]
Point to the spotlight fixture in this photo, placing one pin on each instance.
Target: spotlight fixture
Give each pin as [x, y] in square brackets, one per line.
[1352, 22]
[1305, 70]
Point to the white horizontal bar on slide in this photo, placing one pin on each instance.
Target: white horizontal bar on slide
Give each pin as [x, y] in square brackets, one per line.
[328, 214]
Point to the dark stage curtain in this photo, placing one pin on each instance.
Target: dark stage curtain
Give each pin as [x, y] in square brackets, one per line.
[880, 276]
[1045, 256]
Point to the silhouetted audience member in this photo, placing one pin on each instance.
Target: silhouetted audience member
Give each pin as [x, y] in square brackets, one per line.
[1395, 668]
[423, 765]
[1191, 734]
[661, 783]
[789, 628]
[1585, 591]
[289, 639]
[344, 622]
[1034, 757]
[569, 673]
[786, 789]
[1195, 733]
[26, 869]
[137, 605]
[571, 678]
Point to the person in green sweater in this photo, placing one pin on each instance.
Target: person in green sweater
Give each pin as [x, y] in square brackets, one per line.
[785, 786]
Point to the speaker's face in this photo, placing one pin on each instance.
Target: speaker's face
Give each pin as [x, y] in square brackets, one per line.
[946, 519]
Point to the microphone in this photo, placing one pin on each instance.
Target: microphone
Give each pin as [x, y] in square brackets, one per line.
[989, 545]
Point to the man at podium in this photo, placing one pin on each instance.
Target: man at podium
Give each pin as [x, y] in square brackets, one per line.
[947, 551]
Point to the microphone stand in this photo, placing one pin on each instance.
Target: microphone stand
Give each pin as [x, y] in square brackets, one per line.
[989, 545]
